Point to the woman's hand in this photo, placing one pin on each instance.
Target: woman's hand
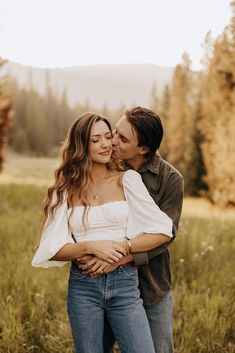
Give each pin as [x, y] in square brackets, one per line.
[107, 250]
[95, 267]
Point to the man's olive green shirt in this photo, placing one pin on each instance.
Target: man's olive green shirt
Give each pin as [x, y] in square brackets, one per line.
[165, 185]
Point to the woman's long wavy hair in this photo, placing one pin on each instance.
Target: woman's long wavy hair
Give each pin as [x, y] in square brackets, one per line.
[72, 176]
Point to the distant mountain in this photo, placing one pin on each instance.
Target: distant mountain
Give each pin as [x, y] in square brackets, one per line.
[110, 85]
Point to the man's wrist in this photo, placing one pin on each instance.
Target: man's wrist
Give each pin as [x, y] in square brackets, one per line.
[126, 259]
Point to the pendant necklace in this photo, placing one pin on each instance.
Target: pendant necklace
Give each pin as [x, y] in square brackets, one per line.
[96, 197]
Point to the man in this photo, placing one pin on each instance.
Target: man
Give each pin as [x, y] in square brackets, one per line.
[137, 137]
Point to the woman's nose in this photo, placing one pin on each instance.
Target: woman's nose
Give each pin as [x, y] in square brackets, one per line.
[105, 143]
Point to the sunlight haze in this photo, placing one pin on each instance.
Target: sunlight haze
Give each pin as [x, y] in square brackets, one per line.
[71, 33]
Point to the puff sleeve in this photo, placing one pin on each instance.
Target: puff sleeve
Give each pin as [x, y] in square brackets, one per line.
[144, 215]
[54, 236]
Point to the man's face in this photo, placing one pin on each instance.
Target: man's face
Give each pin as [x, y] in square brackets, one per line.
[125, 141]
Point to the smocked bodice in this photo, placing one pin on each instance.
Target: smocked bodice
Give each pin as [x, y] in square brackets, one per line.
[104, 222]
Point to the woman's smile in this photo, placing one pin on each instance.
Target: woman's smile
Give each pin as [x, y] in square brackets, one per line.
[105, 153]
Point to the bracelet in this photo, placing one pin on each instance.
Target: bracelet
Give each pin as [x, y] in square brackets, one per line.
[129, 246]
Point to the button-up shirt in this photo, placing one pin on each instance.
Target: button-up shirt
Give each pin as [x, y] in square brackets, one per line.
[165, 185]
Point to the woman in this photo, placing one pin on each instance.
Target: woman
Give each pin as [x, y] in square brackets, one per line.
[108, 214]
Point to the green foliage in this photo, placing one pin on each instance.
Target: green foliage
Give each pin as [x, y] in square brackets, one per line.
[204, 286]
[198, 113]
[5, 113]
[41, 122]
[33, 301]
[164, 115]
[218, 117]
[180, 125]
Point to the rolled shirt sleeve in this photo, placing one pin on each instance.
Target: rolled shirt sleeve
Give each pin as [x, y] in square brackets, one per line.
[54, 236]
[144, 215]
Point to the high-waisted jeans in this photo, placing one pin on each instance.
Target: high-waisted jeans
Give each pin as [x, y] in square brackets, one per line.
[117, 296]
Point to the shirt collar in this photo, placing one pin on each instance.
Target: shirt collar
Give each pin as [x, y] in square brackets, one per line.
[152, 165]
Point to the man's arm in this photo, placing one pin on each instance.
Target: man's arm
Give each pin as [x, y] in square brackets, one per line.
[171, 204]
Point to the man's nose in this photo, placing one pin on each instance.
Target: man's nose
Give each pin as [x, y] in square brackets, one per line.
[115, 140]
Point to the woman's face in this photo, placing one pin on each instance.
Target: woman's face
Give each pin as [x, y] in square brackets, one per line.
[100, 147]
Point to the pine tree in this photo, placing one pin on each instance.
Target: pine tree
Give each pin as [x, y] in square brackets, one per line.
[164, 115]
[180, 126]
[5, 115]
[40, 122]
[218, 123]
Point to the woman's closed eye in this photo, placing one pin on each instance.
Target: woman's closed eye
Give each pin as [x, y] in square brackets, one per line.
[97, 140]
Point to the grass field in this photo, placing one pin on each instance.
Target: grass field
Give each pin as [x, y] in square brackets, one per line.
[33, 311]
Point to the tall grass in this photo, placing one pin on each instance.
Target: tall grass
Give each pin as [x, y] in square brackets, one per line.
[32, 309]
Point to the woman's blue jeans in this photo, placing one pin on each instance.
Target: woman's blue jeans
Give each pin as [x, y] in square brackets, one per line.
[115, 295]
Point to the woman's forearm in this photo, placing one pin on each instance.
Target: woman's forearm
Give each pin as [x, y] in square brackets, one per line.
[146, 242]
[71, 252]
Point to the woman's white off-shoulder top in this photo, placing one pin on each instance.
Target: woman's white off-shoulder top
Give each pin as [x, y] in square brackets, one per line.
[110, 221]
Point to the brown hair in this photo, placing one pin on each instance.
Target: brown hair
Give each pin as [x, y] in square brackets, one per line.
[148, 127]
[74, 172]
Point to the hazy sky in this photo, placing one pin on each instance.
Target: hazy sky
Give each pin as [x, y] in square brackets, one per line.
[59, 33]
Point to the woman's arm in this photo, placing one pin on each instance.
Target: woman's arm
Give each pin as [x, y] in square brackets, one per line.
[106, 250]
[57, 247]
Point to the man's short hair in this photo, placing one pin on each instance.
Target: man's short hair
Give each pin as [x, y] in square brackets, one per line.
[148, 127]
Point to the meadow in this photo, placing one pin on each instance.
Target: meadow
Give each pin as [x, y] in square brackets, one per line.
[33, 315]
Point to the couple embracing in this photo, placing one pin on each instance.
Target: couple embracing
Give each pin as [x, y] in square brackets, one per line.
[112, 212]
